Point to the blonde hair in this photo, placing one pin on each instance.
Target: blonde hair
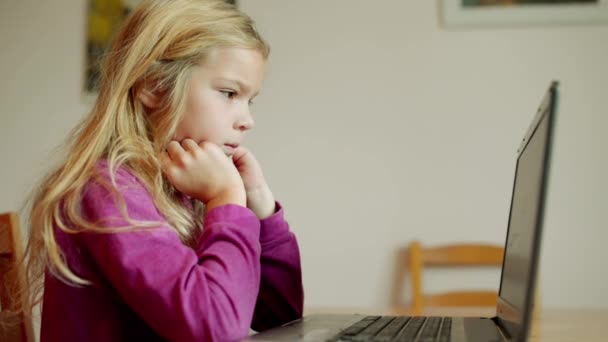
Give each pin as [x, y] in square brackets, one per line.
[159, 44]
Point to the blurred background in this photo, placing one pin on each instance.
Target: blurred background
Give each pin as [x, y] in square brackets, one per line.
[377, 125]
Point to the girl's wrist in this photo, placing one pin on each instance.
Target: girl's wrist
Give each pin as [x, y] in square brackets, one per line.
[261, 201]
[237, 197]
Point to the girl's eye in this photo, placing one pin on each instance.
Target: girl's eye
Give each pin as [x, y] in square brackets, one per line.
[228, 93]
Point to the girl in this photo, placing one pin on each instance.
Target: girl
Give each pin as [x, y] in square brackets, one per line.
[159, 225]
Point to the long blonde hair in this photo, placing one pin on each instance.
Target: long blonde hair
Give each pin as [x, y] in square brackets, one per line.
[159, 43]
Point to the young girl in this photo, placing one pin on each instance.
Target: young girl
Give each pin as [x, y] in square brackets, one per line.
[159, 225]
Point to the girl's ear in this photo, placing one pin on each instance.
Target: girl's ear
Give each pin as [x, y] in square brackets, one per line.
[149, 98]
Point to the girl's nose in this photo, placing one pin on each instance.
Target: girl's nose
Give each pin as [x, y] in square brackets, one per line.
[245, 122]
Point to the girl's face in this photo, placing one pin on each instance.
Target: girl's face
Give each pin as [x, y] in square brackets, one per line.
[219, 98]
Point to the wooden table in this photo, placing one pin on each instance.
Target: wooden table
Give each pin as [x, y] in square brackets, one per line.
[570, 326]
[580, 325]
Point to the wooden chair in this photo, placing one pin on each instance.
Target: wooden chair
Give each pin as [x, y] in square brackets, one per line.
[11, 249]
[415, 257]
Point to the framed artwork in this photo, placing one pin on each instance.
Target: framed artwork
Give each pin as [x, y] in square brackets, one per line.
[103, 18]
[522, 12]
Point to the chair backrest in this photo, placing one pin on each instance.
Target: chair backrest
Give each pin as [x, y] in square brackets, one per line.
[415, 258]
[11, 250]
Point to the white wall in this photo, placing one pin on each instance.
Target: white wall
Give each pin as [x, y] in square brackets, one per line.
[376, 126]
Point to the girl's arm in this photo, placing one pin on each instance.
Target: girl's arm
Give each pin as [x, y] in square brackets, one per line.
[183, 294]
[281, 297]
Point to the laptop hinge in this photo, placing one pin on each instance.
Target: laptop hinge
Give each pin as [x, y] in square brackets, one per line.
[503, 332]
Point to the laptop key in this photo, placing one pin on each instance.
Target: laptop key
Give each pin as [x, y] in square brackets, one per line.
[430, 330]
[446, 330]
[411, 329]
[353, 330]
[359, 326]
[391, 329]
[373, 329]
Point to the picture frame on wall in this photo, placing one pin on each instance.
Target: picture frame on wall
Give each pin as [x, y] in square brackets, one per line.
[103, 18]
[457, 13]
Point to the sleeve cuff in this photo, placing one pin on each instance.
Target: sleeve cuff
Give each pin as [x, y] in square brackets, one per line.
[231, 214]
[274, 226]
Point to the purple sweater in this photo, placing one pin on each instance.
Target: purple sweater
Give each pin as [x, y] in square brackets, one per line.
[149, 286]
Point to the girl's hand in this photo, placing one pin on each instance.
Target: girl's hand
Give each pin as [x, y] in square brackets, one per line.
[203, 172]
[259, 197]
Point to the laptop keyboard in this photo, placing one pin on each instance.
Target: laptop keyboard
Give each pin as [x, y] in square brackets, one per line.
[389, 329]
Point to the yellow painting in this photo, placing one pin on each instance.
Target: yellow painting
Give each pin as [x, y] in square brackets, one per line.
[484, 13]
[104, 17]
[472, 3]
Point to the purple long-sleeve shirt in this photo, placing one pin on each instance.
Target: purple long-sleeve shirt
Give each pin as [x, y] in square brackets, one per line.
[149, 286]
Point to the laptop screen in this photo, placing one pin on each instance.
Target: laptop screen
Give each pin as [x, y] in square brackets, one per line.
[522, 247]
[524, 209]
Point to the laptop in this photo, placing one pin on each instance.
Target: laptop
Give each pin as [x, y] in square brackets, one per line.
[518, 275]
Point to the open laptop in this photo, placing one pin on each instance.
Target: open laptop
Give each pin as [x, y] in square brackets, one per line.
[518, 276]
